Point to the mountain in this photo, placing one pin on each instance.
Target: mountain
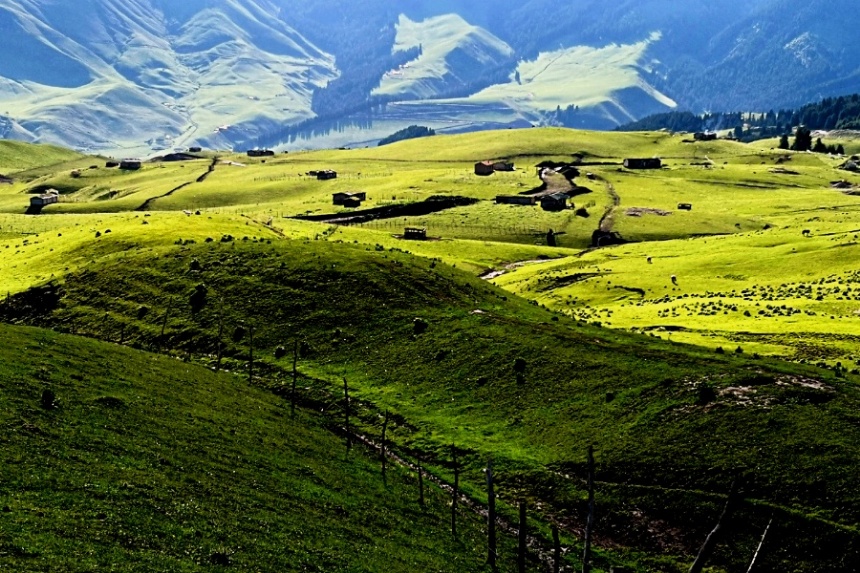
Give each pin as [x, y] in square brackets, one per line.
[154, 74]
[150, 74]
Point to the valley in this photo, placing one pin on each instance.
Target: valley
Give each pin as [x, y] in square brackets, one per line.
[710, 343]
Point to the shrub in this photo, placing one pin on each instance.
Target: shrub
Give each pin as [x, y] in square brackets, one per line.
[419, 326]
[49, 399]
[197, 300]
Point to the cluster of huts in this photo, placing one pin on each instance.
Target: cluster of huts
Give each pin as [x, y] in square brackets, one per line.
[260, 153]
[489, 167]
[647, 163]
[548, 201]
[49, 197]
[125, 164]
[349, 200]
[324, 175]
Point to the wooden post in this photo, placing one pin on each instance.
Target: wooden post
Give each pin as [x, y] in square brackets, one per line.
[420, 484]
[556, 550]
[523, 540]
[250, 354]
[382, 447]
[491, 518]
[220, 335]
[760, 545]
[589, 526]
[122, 334]
[711, 541]
[166, 316]
[295, 375]
[346, 415]
[455, 495]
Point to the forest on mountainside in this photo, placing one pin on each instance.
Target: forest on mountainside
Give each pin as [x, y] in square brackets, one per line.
[829, 114]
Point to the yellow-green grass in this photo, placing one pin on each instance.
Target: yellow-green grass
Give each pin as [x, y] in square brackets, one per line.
[151, 464]
[50, 251]
[16, 156]
[741, 191]
[719, 279]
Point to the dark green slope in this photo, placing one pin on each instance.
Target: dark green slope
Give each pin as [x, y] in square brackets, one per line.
[672, 425]
[151, 464]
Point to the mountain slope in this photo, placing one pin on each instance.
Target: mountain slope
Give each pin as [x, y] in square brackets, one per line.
[105, 76]
[151, 464]
[452, 52]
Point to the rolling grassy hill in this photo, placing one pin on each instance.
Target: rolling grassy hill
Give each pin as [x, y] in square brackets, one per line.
[148, 463]
[672, 423]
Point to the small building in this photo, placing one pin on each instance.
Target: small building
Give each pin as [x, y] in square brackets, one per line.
[260, 153]
[554, 202]
[685, 207]
[415, 234]
[650, 163]
[515, 200]
[484, 168]
[130, 164]
[48, 198]
[342, 197]
[352, 203]
[326, 175]
[503, 166]
[705, 136]
[195, 149]
[111, 164]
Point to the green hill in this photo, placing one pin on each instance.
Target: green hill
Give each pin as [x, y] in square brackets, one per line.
[151, 464]
[17, 156]
[672, 424]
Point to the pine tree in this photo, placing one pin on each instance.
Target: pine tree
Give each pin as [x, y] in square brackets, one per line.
[802, 139]
[783, 141]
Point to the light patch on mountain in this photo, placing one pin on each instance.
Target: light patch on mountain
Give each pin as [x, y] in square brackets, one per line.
[145, 75]
[582, 76]
[453, 53]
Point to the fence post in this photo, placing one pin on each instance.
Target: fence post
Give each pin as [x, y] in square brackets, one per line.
[586, 554]
[382, 448]
[523, 540]
[760, 545]
[346, 415]
[420, 484]
[491, 518]
[250, 354]
[166, 316]
[456, 493]
[295, 373]
[711, 540]
[220, 333]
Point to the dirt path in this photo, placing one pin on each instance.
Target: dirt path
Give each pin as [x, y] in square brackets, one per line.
[607, 222]
[147, 205]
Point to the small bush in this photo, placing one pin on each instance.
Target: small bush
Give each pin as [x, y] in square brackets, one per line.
[280, 352]
[49, 399]
[419, 326]
[706, 394]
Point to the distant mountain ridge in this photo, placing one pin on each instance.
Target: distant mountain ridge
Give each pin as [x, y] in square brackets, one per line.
[145, 75]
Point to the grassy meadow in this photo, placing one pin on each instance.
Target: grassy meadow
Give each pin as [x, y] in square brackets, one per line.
[667, 353]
